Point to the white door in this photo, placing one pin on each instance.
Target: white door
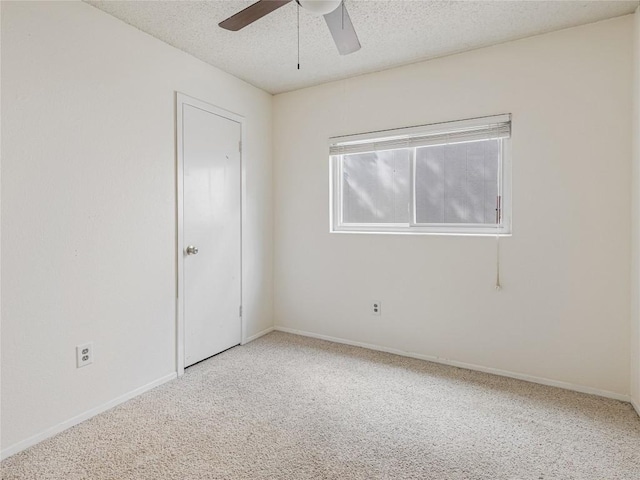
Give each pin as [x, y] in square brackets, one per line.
[211, 232]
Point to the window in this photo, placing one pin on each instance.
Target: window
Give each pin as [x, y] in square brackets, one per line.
[448, 178]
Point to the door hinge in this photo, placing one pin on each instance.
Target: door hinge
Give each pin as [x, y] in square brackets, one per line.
[240, 146]
[240, 311]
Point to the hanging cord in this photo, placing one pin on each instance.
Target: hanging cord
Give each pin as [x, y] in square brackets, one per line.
[298, 34]
[498, 220]
[498, 286]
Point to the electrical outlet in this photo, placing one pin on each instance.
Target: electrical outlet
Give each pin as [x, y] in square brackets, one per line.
[376, 308]
[84, 355]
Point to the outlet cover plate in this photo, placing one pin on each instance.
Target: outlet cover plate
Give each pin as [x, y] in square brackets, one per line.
[84, 355]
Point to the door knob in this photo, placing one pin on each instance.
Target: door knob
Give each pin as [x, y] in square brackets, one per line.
[191, 250]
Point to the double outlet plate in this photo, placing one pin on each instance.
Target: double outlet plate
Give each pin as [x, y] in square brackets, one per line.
[84, 355]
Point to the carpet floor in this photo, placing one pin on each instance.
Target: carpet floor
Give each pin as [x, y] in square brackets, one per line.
[289, 407]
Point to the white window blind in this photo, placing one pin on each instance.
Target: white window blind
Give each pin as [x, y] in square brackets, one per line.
[438, 134]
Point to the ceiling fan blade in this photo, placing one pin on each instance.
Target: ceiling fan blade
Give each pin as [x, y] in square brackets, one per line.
[342, 30]
[251, 14]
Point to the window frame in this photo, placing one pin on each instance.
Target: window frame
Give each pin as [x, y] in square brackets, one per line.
[336, 186]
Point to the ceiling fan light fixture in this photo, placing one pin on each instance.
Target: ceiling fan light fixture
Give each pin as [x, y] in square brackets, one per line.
[319, 7]
[337, 19]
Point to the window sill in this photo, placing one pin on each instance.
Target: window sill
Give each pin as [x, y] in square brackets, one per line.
[462, 232]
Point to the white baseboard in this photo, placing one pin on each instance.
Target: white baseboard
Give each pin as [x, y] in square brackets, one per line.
[50, 432]
[636, 405]
[258, 335]
[468, 366]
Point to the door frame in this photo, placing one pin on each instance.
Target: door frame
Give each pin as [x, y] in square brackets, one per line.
[180, 101]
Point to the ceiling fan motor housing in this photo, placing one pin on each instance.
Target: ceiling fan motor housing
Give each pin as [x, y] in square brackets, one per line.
[319, 7]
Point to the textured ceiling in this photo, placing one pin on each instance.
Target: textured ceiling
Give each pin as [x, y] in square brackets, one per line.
[392, 33]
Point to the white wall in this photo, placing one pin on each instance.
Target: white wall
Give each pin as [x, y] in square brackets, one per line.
[563, 314]
[635, 220]
[88, 208]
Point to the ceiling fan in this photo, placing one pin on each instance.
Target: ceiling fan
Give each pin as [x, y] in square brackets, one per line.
[334, 12]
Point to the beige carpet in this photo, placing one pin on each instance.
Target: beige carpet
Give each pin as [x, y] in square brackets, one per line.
[287, 407]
